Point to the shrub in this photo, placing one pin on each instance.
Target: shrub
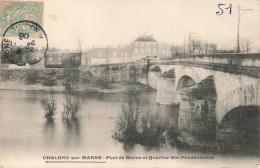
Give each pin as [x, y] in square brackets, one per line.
[71, 78]
[60, 76]
[133, 74]
[127, 125]
[49, 104]
[6, 75]
[52, 73]
[86, 77]
[31, 76]
[49, 82]
[153, 129]
[134, 126]
[71, 106]
[103, 83]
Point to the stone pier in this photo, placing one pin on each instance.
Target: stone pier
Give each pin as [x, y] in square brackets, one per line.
[166, 91]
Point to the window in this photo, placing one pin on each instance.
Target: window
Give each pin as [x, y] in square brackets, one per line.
[142, 50]
[136, 50]
[99, 55]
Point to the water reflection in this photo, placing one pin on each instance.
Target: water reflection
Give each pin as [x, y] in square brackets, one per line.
[72, 132]
[49, 131]
[192, 124]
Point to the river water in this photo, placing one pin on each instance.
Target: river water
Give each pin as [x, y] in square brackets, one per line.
[27, 137]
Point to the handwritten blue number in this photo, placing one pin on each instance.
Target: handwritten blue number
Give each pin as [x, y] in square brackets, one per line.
[230, 8]
[221, 12]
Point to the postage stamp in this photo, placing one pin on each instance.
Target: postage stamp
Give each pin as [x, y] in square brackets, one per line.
[13, 11]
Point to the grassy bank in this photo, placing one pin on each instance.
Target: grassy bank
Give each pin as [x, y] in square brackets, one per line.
[59, 80]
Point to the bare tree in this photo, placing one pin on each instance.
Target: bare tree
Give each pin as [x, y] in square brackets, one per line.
[80, 47]
[248, 47]
[206, 48]
[193, 44]
[176, 50]
[243, 49]
[71, 106]
[198, 46]
[211, 48]
[49, 104]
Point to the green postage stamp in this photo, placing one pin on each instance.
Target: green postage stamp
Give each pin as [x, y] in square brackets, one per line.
[13, 11]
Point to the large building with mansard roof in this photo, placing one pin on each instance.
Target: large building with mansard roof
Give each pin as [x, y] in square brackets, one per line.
[145, 47]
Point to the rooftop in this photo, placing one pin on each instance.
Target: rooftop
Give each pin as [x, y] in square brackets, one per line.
[145, 38]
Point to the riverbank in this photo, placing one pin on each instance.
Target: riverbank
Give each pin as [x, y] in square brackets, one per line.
[60, 80]
[116, 87]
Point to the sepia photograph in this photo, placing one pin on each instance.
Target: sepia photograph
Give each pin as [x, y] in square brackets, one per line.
[130, 84]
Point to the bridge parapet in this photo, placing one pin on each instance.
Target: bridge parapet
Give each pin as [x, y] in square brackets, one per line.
[252, 59]
[246, 64]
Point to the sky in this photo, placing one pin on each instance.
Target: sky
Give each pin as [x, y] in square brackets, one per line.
[113, 22]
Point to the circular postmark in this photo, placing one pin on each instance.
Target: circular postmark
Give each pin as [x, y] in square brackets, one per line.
[24, 42]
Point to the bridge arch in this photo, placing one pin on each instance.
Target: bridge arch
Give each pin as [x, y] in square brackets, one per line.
[185, 82]
[241, 127]
[156, 69]
[248, 95]
[160, 68]
[187, 74]
[170, 73]
[153, 76]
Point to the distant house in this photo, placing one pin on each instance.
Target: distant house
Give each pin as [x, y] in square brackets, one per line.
[145, 47]
[165, 50]
[120, 55]
[109, 55]
[5, 63]
[62, 59]
[95, 56]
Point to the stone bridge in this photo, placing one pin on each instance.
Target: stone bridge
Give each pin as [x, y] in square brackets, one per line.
[236, 78]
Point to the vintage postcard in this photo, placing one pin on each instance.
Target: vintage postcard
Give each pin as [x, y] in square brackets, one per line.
[132, 83]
